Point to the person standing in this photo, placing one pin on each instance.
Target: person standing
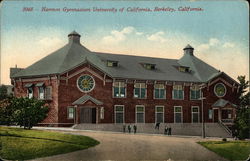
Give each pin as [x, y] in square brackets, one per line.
[129, 128]
[135, 128]
[169, 131]
[124, 128]
[166, 130]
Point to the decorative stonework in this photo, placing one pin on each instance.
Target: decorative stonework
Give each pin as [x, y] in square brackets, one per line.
[85, 83]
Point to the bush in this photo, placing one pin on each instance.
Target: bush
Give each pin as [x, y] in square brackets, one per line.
[22, 111]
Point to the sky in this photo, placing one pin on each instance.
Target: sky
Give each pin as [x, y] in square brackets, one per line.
[218, 30]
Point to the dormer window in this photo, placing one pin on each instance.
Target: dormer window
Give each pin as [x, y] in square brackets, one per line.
[111, 63]
[184, 69]
[149, 66]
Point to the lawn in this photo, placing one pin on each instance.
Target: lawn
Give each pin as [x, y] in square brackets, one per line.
[232, 150]
[20, 144]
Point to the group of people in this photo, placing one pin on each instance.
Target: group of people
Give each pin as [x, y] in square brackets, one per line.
[130, 128]
[167, 130]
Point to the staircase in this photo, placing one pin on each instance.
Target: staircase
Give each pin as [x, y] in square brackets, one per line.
[190, 129]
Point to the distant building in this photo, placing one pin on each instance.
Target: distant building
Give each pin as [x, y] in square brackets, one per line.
[81, 86]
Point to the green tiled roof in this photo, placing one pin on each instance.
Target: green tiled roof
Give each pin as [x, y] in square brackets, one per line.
[222, 103]
[74, 54]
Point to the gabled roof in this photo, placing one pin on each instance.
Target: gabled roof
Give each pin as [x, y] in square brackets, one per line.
[86, 98]
[222, 103]
[73, 54]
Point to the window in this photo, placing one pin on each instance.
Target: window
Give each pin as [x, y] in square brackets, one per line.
[178, 114]
[140, 117]
[140, 90]
[195, 114]
[220, 90]
[159, 91]
[48, 93]
[184, 69]
[159, 114]
[41, 93]
[119, 89]
[30, 92]
[210, 114]
[148, 66]
[112, 63]
[70, 112]
[195, 92]
[178, 92]
[119, 114]
[85, 83]
[102, 113]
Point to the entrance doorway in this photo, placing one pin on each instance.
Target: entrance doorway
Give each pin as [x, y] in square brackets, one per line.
[216, 113]
[88, 115]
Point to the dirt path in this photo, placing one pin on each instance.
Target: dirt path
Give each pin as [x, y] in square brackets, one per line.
[138, 147]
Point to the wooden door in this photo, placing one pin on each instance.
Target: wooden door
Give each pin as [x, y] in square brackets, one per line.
[86, 115]
[216, 113]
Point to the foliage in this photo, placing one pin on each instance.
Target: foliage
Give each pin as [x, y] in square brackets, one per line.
[241, 125]
[241, 128]
[28, 112]
[6, 112]
[19, 144]
[232, 150]
[3, 92]
[22, 111]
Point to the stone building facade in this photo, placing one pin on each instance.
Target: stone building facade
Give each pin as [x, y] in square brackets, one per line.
[81, 86]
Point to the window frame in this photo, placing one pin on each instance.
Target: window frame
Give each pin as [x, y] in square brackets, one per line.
[164, 88]
[178, 92]
[119, 86]
[178, 112]
[140, 112]
[163, 113]
[195, 113]
[102, 113]
[140, 91]
[39, 94]
[119, 112]
[190, 95]
[68, 112]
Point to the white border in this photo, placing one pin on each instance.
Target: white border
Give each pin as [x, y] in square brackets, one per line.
[80, 88]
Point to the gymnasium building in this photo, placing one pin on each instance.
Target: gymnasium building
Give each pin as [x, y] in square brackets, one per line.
[81, 86]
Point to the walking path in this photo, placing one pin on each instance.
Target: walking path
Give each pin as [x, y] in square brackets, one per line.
[119, 146]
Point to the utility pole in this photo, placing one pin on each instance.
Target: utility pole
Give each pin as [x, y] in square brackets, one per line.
[202, 111]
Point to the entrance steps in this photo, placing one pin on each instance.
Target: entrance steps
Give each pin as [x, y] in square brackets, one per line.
[190, 129]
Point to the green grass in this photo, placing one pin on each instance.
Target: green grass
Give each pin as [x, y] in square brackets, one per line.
[232, 150]
[20, 144]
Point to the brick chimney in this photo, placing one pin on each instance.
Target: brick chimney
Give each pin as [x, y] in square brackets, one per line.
[74, 37]
[189, 50]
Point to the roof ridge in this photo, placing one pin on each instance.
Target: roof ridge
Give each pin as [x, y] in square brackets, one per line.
[134, 55]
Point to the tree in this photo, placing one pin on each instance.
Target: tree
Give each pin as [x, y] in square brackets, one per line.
[242, 122]
[6, 112]
[28, 112]
[3, 92]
